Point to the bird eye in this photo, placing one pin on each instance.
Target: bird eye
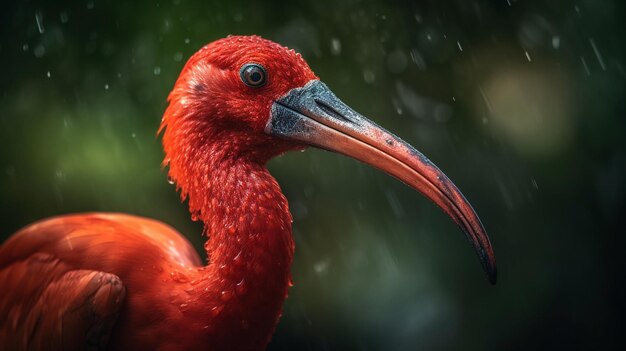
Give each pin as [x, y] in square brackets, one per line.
[253, 75]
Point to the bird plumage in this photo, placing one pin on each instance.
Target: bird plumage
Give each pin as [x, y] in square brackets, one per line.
[97, 281]
[52, 267]
[235, 301]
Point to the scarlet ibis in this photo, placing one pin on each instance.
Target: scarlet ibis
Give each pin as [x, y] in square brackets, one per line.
[103, 280]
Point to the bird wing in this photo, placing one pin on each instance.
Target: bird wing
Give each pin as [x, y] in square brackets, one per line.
[47, 305]
[61, 278]
[85, 239]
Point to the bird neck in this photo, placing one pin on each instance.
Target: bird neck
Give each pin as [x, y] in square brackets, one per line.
[249, 247]
[246, 217]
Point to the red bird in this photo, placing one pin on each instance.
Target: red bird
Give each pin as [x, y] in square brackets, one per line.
[101, 280]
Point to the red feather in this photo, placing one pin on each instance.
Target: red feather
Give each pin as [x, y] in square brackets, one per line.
[216, 151]
[96, 280]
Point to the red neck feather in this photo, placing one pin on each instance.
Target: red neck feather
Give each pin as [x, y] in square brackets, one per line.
[250, 245]
[216, 151]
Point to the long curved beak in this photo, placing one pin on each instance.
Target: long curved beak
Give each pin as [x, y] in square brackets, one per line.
[313, 115]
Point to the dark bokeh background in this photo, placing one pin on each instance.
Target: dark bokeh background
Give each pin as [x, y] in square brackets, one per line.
[520, 102]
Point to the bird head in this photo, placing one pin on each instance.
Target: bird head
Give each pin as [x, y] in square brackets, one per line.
[226, 92]
[257, 99]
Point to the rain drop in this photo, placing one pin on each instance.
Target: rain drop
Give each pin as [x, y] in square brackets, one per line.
[585, 66]
[216, 310]
[174, 297]
[335, 46]
[598, 55]
[64, 17]
[157, 70]
[418, 59]
[556, 42]
[39, 23]
[321, 267]
[223, 268]
[237, 260]
[240, 289]
[226, 295]
[528, 56]
[179, 277]
[369, 76]
[39, 51]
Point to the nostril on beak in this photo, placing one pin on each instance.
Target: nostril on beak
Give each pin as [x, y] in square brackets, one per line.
[332, 112]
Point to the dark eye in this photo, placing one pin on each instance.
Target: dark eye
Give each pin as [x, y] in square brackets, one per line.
[253, 75]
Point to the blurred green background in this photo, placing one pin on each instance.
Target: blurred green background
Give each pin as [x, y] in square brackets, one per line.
[520, 102]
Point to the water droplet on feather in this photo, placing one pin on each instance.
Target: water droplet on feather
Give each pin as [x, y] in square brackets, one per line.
[226, 295]
[240, 289]
[216, 310]
[179, 277]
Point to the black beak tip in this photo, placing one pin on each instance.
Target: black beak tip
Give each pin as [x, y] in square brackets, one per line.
[488, 262]
[492, 275]
[489, 266]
